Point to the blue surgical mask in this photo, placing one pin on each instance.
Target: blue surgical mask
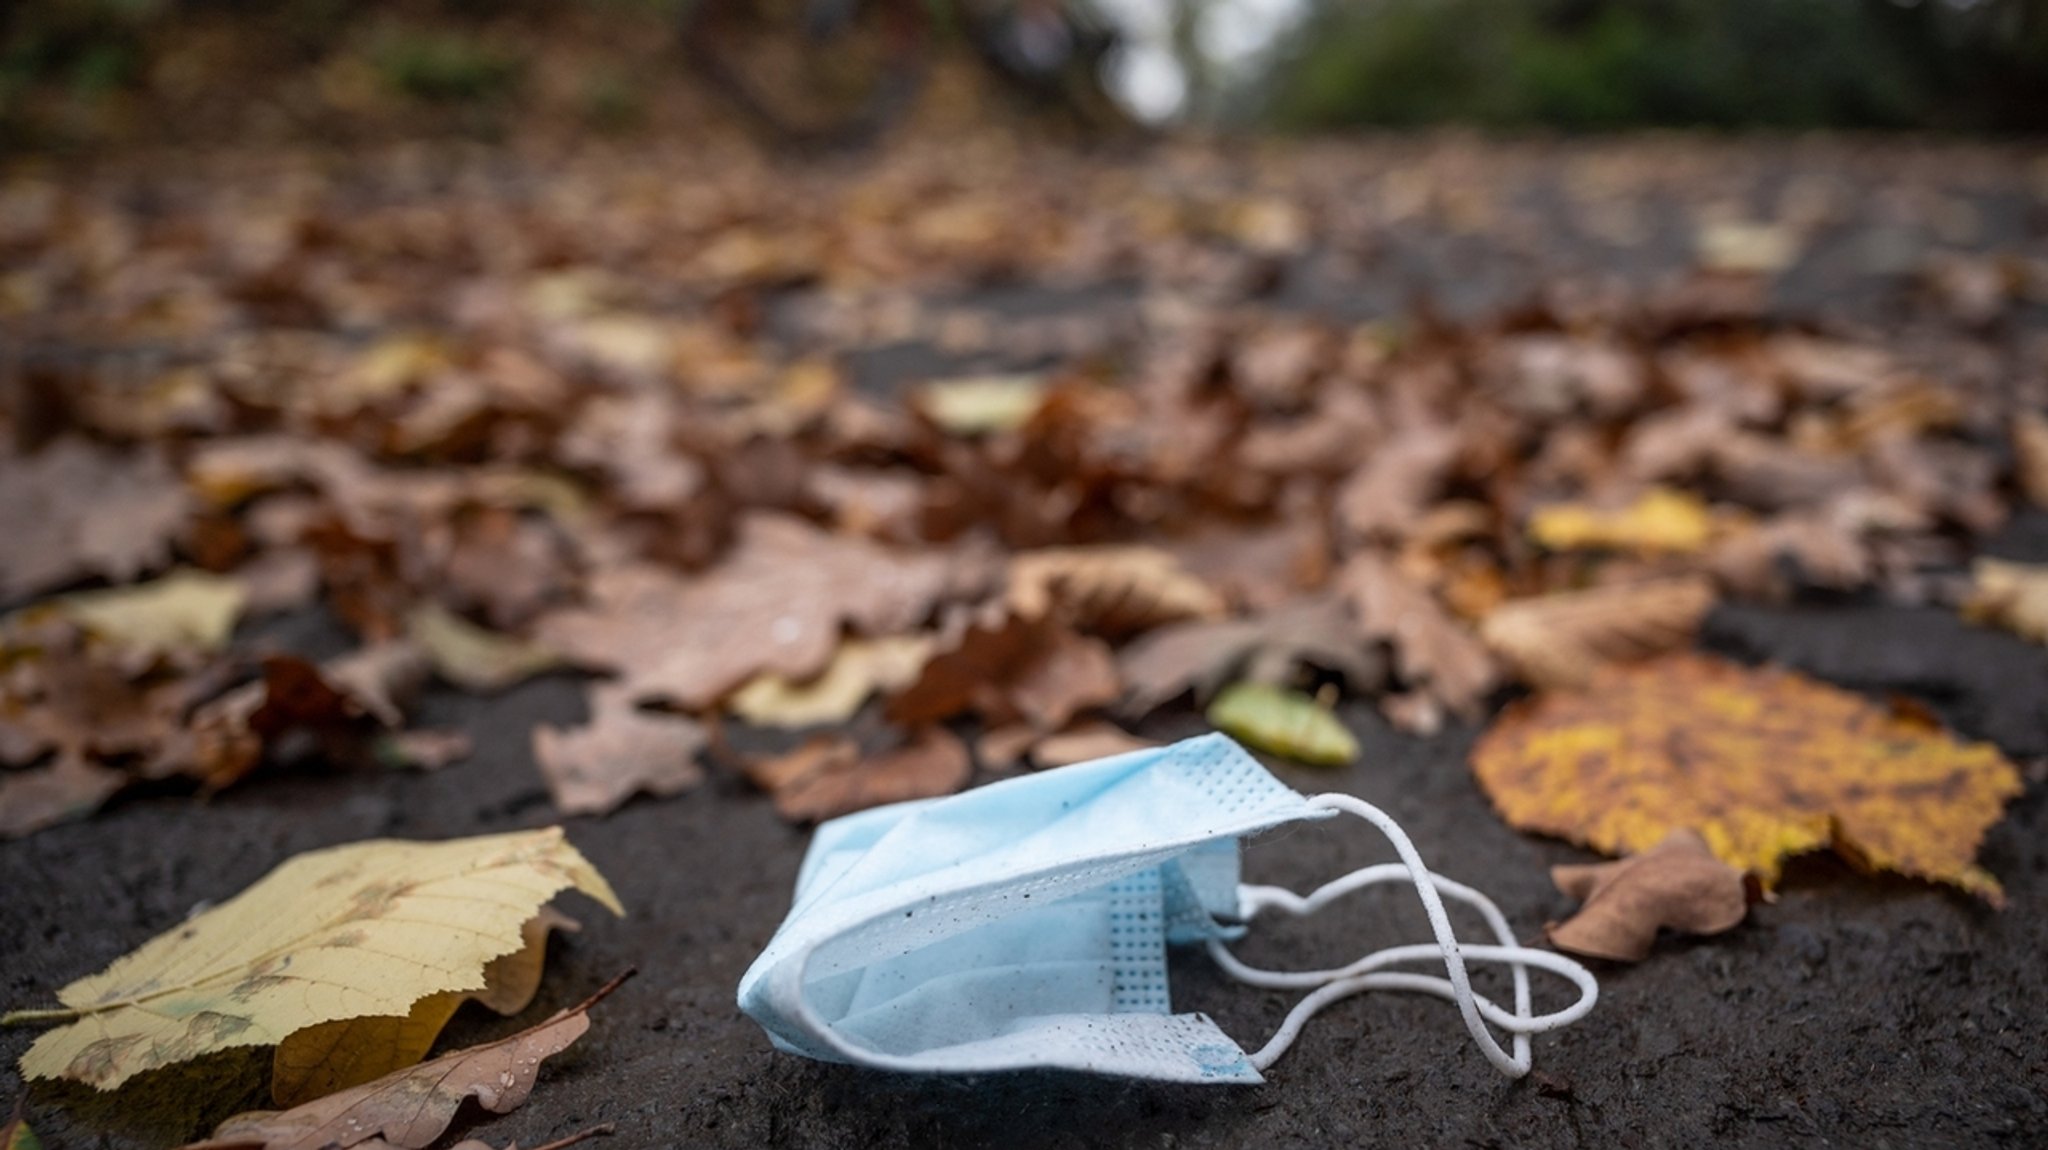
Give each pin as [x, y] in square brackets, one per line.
[1025, 924]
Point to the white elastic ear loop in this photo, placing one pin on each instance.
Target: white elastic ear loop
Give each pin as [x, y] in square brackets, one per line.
[1362, 975]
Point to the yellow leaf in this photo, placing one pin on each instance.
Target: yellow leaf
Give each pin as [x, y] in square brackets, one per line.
[858, 669]
[1746, 247]
[1285, 722]
[1661, 520]
[2010, 595]
[184, 609]
[364, 929]
[472, 657]
[981, 405]
[1764, 763]
[320, 1060]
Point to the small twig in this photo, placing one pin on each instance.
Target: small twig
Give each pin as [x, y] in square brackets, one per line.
[602, 992]
[603, 1130]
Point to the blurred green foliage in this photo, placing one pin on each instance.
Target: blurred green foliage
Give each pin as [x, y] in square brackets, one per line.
[1596, 64]
[446, 67]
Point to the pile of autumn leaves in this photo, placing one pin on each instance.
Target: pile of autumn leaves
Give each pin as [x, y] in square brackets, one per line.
[1263, 514]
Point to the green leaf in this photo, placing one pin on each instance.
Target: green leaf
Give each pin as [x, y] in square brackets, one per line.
[1285, 722]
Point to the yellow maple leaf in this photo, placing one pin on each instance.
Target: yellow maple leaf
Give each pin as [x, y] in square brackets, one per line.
[1764, 763]
[1660, 520]
[364, 929]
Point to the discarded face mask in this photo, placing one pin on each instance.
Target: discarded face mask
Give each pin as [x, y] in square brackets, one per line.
[1025, 924]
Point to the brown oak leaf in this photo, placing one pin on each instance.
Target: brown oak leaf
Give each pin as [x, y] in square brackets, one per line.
[74, 510]
[829, 776]
[1558, 640]
[621, 751]
[1432, 651]
[1201, 656]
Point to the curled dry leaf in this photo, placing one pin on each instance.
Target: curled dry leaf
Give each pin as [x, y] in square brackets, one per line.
[70, 787]
[1285, 722]
[1661, 520]
[1558, 641]
[1764, 763]
[828, 776]
[2010, 595]
[1432, 652]
[1396, 483]
[1111, 591]
[1085, 742]
[858, 669]
[351, 931]
[777, 605]
[320, 1060]
[1677, 884]
[1268, 647]
[472, 657]
[411, 1108]
[622, 751]
[75, 510]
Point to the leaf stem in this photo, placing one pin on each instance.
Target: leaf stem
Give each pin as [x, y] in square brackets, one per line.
[30, 1017]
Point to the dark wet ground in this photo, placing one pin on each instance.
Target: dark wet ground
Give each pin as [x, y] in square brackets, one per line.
[1853, 1011]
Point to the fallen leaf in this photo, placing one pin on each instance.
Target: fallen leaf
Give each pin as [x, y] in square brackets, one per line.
[472, 657]
[1285, 722]
[74, 510]
[1660, 520]
[1558, 641]
[2030, 453]
[182, 610]
[828, 776]
[1396, 483]
[1677, 884]
[1432, 651]
[331, 1056]
[858, 669]
[2010, 595]
[777, 604]
[1086, 742]
[622, 751]
[1007, 670]
[411, 1108]
[69, 788]
[279, 581]
[1746, 247]
[1764, 763]
[1267, 647]
[364, 929]
[1110, 591]
[981, 405]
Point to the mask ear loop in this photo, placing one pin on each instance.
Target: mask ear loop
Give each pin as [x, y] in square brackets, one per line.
[1365, 974]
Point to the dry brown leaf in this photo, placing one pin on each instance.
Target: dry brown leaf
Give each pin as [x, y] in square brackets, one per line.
[2010, 595]
[1201, 656]
[1257, 568]
[1558, 641]
[1085, 742]
[412, 1108]
[75, 510]
[1109, 591]
[1432, 651]
[1012, 670]
[622, 751]
[331, 1056]
[1385, 495]
[828, 776]
[69, 788]
[2030, 455]
[777, 604]
[1677, 884]
[1765, 764]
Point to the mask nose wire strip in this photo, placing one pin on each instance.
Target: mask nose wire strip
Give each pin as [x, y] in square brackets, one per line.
[1364, 974]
